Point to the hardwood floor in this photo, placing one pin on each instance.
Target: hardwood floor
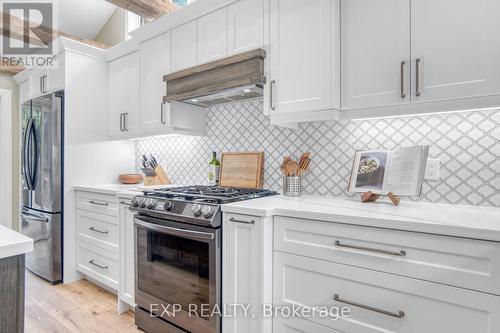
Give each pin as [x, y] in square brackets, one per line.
[77, 307]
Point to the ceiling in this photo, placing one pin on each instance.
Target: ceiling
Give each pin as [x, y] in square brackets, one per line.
[83, 18]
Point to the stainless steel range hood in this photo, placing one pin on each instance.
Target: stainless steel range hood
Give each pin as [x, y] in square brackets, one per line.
[235, 78]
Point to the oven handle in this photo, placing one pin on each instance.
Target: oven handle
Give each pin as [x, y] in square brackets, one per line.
[175, 231]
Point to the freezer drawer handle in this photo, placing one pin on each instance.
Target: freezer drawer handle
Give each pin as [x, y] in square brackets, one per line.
[97, 265]
[232, 219]
[400, 314]
[98, 203]
[35, 218]
[98, 231]
[401, 253]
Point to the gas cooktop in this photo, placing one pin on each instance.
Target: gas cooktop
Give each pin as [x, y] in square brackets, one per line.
[213, 194]
[199, 205]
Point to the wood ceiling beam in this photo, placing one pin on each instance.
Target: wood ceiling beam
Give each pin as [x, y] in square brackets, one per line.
[148, 9]
[14, 29]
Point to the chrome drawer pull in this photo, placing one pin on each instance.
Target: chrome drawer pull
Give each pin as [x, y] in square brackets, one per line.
[232, 219]
[400, 314]
[98, 203]
[417, 76]
[97, 230]
[401, 253]
[125, 203]
[97, 265]
[402, 69]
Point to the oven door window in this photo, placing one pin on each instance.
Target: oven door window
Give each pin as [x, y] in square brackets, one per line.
[173, 269]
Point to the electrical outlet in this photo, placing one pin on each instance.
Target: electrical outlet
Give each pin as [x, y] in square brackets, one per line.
[432, 169]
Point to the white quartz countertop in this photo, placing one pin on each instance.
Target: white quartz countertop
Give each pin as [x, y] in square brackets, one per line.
[13, 243]
[443, 219]
[119, 190]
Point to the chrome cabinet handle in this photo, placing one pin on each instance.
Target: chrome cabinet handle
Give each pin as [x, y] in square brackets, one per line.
[44, 83]
[125, 122]
[125, 203]
[401, 253]
[97, 265]
[417, 76]
[271, 97]
[402, 68]
[400, 314]
[232, 219]
[121, 122]
[41, 84]
[98, 203]
[98, 231]
[162, 114]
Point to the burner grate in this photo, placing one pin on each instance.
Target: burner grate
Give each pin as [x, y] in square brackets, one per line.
[215, 194]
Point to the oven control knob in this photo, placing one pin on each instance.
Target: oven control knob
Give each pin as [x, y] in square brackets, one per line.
[142, 203]
[151, 203]
[207, 211]
[168, 205]
[196, 209]
[135, 202]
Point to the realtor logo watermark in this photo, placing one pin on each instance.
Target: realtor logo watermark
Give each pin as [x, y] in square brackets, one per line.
[28, 33]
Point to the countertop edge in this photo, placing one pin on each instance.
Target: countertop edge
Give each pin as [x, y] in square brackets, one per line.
[426, 227]
[15, 249]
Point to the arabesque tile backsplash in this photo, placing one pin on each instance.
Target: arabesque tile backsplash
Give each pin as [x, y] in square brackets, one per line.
[467, 144]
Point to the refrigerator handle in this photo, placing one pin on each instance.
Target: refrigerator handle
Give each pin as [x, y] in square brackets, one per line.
[25, 154]
[36, 157]
[35, 218]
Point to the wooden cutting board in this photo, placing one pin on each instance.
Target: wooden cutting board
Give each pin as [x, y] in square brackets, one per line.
[243, 170]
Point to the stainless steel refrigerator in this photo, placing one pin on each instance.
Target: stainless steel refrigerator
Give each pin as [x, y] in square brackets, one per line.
[42, 183]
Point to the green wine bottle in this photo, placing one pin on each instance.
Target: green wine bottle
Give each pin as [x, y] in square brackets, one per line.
[213, 173]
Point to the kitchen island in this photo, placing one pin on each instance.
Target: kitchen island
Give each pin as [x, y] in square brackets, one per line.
[13, 247]
[417, 267]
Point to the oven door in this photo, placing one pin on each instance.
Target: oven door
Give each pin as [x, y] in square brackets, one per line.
[178, 268]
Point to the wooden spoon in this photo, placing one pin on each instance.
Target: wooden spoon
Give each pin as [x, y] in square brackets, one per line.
[286, 159]
[292, 168]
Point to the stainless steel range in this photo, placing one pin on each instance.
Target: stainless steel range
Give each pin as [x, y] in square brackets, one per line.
[178, 256]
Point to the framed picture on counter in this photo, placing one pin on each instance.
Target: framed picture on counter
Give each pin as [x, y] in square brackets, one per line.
[399, 171]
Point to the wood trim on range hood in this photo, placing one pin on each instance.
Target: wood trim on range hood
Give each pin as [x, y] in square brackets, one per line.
[240, 70]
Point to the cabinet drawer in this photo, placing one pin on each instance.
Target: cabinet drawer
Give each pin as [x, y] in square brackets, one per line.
[466, 263]
[98, 264]
[298, 325]
[97, 202]
[97, 228]
[383, 302]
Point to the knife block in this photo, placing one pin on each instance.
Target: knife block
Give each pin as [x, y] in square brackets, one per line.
[161, 178]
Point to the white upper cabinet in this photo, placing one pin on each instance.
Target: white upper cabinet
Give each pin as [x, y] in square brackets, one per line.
[301, 57]
[24, 90]
[245, 26]
[375, 52]
[212, 36]
[457, 46]
[123, 95]
[55, 76]
[155, 63]
[184, 40]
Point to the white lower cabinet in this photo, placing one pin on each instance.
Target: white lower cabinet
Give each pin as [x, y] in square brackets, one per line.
[384, 281]
[105, 243]
[247, 271]
[97, 237]
[127, 264]
[381, 302]
[98, 263]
